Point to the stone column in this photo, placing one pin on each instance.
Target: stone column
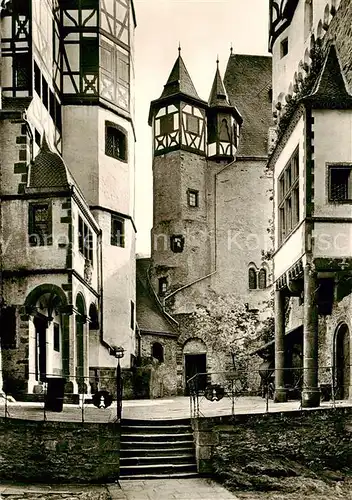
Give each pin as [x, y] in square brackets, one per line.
[280, 391]
[311, 392]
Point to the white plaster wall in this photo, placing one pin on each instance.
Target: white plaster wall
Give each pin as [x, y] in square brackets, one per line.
[290, 251]
[332, 144]
[118, 288]
[332, 240]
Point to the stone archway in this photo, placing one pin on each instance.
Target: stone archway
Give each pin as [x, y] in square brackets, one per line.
[342, 371]
[46, 329]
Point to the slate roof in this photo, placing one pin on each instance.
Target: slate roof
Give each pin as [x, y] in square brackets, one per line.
[179, 81]
[149, 316]
[330, 89]
[248, 81]
[218, 94]
[49, 170]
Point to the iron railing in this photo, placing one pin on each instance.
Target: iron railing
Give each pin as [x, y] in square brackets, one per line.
[86, 399]
[251, 391]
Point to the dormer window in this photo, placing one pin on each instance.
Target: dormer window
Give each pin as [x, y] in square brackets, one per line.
[115, 142]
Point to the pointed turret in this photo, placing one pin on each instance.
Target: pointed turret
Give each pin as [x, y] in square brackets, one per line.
[330, 90]
[179, 81]
[178, 116]
[224, 121]
[218, 95]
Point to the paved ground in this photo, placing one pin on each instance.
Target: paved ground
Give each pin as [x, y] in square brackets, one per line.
[160, 489]
[178, 407]
[180, 489]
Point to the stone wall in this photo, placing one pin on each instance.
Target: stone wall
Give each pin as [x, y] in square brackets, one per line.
[58, 451]
[316, 438]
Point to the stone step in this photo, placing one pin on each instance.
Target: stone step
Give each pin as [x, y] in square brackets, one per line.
[174, 475]
[157, 422]
[156, 460]
[155, 445]
[160, 469]
[156, 429]
[156, 451]
[165, 438]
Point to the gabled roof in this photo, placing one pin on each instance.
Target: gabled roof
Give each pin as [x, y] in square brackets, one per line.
[248, 82]
[149, 316]
[330, 89]
[49, 170]
[179, 81]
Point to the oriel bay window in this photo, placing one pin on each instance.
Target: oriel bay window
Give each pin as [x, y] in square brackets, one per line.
[288, 198]
[85, 240]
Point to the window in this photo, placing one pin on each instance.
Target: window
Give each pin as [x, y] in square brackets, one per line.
[166, 124]
[132, 315]
[45, 91]
[37, 79]
[192, 124]
[193, 198]
[56, 338]
[340, 183]
[262, 279]
[288, 198]
[89, 55]
[162, 285]
[8, 328]
[115, 143]
[22, 71]
[252, 278]
[284, 48]
[224, 131]
[85, 240]
[158, 352]
[39, 224]
[117, 231]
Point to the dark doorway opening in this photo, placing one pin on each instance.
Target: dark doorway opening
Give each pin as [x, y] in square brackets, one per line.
[40, 335]
[196, 363]
[342, 363]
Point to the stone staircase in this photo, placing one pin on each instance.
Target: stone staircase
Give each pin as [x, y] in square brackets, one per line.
[152, 449]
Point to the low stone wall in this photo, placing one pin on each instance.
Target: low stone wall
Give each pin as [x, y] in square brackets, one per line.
[317, 438]
[54, 452]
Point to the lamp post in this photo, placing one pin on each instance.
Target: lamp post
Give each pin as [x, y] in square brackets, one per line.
[118, 353]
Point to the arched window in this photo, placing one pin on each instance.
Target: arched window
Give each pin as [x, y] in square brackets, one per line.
[262, 279]
[252, 278]
[224, 131]
[93, 316]
[115, 141]
[158, 352]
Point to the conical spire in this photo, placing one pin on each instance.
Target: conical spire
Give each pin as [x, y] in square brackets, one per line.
[218, 95]
[179, 80]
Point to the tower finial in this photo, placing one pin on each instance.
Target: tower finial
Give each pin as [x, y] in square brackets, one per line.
[231, 50]
[179, 48]
[217, 61]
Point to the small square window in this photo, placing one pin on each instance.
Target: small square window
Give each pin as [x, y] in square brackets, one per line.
[56, 338]
[166, 124]
[193, 124]
[193, 198]
[115, 143]
[340, 183]
[39, 224]
[117, 231]
[284, 48]
[162, 285]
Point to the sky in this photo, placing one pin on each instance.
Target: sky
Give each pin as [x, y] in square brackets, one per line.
[205, 30]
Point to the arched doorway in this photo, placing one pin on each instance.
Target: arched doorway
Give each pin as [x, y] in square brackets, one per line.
[342, 362]
[195, 361]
